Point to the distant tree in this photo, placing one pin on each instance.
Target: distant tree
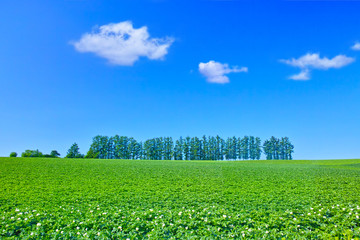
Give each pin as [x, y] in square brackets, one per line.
[91, 154]
[101, 147]
[257, 148]
[54, 154]
[187, 145]
[13, 154]
[73, 152]
[178, 149]
[267, 150]
[32, 153]
[245, 147]
[288, 148]
[168, 150]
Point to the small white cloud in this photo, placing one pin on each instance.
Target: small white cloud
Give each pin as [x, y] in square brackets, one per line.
[356, 47]
[303, 75]
[121, 44]
[215, 71]
[313, 61]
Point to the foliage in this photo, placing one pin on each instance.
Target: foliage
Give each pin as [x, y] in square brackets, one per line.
[32, 153]
[189, 148]
[54, 154]
[13, 154]
[73, 152]
[119, 199]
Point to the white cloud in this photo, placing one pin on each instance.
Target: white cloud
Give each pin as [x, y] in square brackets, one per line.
[303, 75]
[313, 61]
[121, 44]
[215, 71]
[356, 47]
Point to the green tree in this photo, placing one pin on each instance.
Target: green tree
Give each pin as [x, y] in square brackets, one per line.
[32, 153]
[13, 154]
[178, 149]
[73, 152]
[54, 154]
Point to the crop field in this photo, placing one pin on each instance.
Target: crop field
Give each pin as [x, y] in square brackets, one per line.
[139, 199]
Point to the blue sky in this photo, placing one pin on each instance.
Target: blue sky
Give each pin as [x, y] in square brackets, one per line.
[55, 93]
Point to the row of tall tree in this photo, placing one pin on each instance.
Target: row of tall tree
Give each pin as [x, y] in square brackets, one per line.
[189, 148]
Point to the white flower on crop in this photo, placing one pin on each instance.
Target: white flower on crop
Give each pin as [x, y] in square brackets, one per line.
[349, 213]
[17, 210]
[294, 219]
[119, 227]
[12, 218]
[151, 210]
[77, 228]
[266, 231]
[224, 216]
[78, 233]
[137, 229]
[57, 230]
[311, 208]
[31, 233]
[98, 233]
[39, 224]
[104, 213]
[25, 219]
[98, 208]
[180, 213]
[138, 219]
[290, 212]
[357, 216]
[309, 213]
[38, 214]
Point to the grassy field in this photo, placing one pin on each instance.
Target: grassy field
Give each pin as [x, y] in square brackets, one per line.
[102, 199]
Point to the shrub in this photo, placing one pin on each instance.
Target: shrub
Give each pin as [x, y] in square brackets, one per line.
[13, 154]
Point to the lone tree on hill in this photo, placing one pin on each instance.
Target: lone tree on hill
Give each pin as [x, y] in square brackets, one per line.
[73, 152]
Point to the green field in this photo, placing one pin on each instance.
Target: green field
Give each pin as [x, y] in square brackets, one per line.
[136, 199]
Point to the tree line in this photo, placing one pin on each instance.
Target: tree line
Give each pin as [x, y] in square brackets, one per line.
[188, 148]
